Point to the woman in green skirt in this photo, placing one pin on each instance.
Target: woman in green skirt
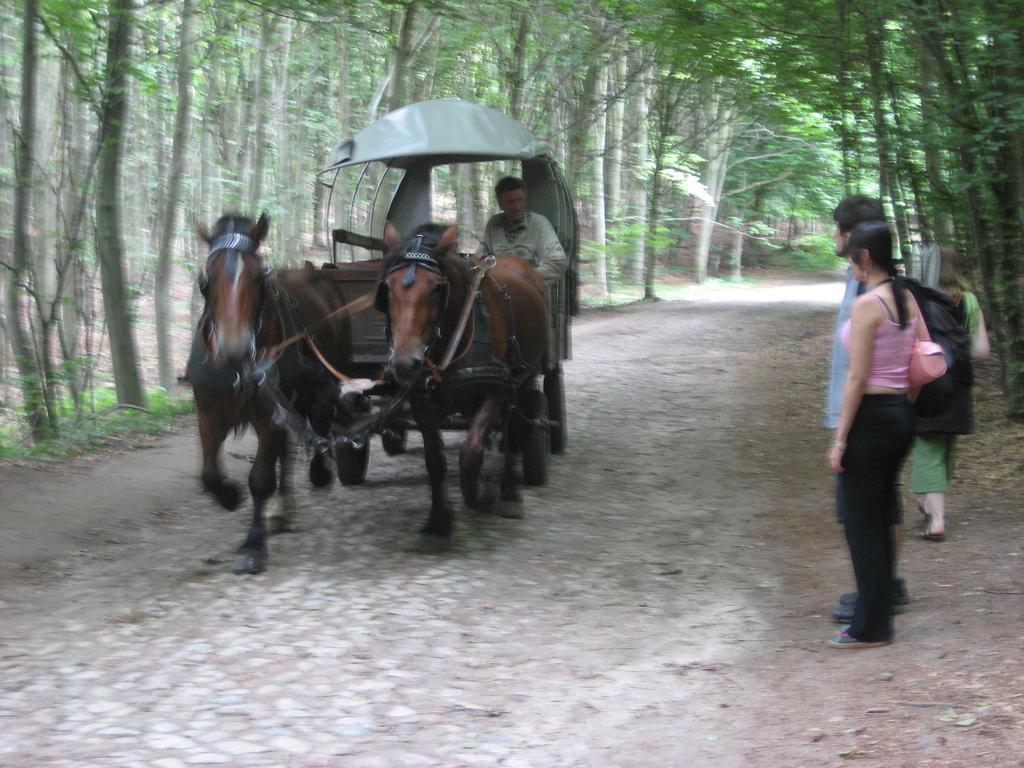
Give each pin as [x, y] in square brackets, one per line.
[932, 456]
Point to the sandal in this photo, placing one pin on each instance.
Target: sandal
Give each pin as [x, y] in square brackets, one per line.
[929, 536]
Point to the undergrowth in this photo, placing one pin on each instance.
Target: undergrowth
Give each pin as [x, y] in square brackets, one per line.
[105, 425]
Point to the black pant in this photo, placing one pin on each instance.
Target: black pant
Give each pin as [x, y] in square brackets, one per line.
[877, 445]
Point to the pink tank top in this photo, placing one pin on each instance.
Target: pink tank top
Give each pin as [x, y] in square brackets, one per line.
[890, 359]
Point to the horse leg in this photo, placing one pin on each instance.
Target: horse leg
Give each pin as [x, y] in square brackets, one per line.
[441, 521]
[252, 554]
[214, 423]
[471, 457]
[511, 500]
[280, 516]
[320, 473]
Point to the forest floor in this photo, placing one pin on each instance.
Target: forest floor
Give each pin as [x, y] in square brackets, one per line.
[665, 601]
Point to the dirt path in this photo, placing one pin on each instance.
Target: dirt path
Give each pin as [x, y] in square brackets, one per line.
[664, 602]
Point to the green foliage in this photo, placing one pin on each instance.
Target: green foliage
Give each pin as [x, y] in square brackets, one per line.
[815, 253]
[106, 426]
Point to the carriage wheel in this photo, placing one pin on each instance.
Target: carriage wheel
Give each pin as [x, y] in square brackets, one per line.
[554, 390]
[393, 439]
[352, 463]
[536, 438]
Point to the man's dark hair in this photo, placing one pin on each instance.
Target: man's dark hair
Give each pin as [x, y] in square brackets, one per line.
[855, 209]
[508, 184]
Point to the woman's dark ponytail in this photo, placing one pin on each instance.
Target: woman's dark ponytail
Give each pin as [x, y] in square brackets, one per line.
[899, 291]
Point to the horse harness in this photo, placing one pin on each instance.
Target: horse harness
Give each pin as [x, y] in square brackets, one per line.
[475, 370]
[415, 256]
[232, 244]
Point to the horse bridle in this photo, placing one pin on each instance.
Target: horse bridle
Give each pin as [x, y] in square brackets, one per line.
[236, 242]
[416, 255]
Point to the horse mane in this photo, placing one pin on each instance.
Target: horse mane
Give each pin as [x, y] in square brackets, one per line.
[432, 234]
[232, 222]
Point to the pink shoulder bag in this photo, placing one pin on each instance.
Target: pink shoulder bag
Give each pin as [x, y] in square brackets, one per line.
[927, 363]
[927, 360]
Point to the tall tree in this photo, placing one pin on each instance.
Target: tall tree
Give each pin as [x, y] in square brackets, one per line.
[109, 229]
[18, 308]
[401, 55]
[640, 183]
[598, 192]
[163, 297]
[717, 121]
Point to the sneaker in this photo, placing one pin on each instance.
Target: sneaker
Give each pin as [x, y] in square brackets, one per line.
[849, 598]
[844, 639]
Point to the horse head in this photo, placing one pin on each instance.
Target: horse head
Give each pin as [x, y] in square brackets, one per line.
[233, 283]
[413, 293]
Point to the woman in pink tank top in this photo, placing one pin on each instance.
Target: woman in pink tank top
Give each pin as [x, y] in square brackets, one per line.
[876, 427]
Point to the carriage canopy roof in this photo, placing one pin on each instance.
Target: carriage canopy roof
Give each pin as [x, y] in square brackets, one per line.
[451, 129]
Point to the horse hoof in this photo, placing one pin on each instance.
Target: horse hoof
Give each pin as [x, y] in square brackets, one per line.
[471, 494]
[487, 502]
[512, 510]
[438, 528]
[511, 495]
[250, 563]
[230, 496]
[320, 474]
[276, 525]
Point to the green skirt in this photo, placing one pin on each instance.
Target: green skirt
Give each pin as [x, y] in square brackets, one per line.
[931, 463]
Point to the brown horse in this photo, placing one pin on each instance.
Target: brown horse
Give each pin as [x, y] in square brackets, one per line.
[424, 289]
[239, 379]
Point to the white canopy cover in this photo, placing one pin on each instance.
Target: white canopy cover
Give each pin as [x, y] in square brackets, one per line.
[454, 129]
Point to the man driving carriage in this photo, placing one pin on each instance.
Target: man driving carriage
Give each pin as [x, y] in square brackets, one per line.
[525, 233]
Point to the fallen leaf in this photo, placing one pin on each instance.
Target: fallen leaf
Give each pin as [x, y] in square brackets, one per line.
[851, 752]
[967, 720]
[949, 716]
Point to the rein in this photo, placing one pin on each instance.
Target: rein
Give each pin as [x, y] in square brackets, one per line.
[353, 307]
[482, 267]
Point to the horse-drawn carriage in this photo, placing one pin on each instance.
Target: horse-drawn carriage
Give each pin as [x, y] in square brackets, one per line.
[386, 174]
[453, 332]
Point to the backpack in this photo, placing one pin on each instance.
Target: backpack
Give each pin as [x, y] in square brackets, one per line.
[946, 326]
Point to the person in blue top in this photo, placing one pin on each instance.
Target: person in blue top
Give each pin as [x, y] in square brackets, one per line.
[851, 211]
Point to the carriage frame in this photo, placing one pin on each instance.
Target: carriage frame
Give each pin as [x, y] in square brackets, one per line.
[395, 158]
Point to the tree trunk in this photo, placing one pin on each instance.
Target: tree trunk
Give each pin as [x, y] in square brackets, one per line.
[259, 111]
[109, 239]
[613, 149]
[843, 81]
[600, 225]
[46, 216]
[579, 128]
[517, 77]
[717, 142]
[653, 220]
[285, 238]
[665, 111]
[18, 308]
[74, 196]
[939, 201]
[163, 298]
[401, 54]
[888, 181]
[737, 251]
[640, 197]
